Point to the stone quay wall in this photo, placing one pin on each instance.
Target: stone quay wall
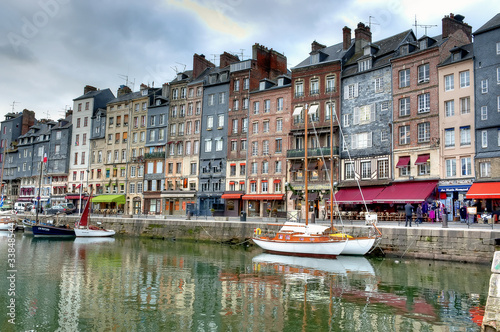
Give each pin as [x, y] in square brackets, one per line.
[448, 244]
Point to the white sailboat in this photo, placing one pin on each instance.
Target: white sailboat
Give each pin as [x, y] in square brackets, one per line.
[6, 223]
[307, 240]
[83, 229]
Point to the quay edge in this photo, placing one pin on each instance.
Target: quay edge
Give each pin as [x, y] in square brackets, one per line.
[446, 244]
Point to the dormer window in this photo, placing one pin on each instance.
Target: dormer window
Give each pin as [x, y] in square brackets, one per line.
[212, 79]
[364, 64]
[158, 102]
[315, 58]
[144, 92]
[262, 85]
[423, 44]
[179, 76]
[281, 81]
[403, 50]
[223, 76]
[456, 56]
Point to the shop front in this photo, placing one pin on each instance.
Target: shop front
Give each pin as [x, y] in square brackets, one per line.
[486, 197]
[176, 202]
[265, 205]
[452, 195]
[233, 203]
[108, 204]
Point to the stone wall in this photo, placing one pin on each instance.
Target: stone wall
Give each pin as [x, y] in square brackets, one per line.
[462, 245]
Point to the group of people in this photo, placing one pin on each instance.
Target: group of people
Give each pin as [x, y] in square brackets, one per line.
[434, 210]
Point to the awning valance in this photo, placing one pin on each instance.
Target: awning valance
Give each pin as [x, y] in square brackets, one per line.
[406, 192]
[403, 162]
[484, 190]
[118, 199]
[231, 196]
[356, 196]
[422, 159]
[76, 197]
[267, 197]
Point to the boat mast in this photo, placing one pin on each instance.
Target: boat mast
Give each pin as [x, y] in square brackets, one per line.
[3, 166]
[331, 167]
[306, 110]
[39, 191]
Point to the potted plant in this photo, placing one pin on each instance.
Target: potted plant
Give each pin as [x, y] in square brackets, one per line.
[212, 210]
[269, 212]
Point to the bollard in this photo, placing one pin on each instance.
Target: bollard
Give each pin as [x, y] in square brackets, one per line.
[444, 223]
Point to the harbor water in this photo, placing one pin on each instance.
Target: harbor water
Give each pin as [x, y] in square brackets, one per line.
[134, 284]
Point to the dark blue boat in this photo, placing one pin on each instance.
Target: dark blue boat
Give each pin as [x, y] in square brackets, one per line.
[52, 231]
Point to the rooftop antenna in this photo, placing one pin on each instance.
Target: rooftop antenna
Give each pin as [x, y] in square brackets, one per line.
[370, 22]
[215, 57]
[128, 83]
[425, 26]
[14, 104]
[48, 116]
[183, 69]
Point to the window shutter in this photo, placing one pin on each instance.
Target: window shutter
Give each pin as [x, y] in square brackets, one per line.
[346, 92]
[369, 139]
[355, 90]
[355, 120]
[372, 110]
[354, 141]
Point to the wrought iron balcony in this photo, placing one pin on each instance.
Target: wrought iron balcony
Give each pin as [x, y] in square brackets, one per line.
[154, 155]
[317, 152]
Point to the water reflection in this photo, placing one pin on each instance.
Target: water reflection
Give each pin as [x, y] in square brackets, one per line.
[147, 285]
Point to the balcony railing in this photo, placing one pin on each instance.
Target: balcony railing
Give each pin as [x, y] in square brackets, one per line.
[317, 152]
[154, 155]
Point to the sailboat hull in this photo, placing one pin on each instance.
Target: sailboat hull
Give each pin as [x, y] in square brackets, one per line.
[84, 232]
[5, 226]
[358, 246]
[52, 231]
[326, 249]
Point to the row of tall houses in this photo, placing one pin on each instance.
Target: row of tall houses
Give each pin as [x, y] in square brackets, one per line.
[231, 138]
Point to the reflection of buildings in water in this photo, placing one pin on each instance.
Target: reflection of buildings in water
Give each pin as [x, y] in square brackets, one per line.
[349, 283]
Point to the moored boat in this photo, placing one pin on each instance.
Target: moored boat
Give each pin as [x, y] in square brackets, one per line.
[83, 229]
[52, 231]
[6, 223]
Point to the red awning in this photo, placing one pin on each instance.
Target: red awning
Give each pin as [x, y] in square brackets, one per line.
[231, 196]
[422, 159]
[353, 195]
[406, 192]
[231, 182]
[242, 164]
[76, 197]
[253, 181]
[242, 182]
[276, 181]
[269, 197]
[484, 190]
[403, 162]
[232, 164]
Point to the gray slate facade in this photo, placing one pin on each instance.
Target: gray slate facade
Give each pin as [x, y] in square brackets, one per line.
[213, 141]
[487, 100]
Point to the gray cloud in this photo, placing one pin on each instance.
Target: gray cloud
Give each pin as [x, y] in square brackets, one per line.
[62, 45]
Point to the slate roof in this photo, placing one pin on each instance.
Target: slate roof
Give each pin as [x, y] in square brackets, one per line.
[382, 57]
[92, 94]
[128, 96]
[467, 54]
[187, 73]
[492, 24]
[331, 53]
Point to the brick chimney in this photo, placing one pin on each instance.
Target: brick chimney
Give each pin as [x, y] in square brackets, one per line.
[144, 86]
[453, 23]
[315, 46]
[88, 88]
[200, 64]
[272, 62]
[226, 59]
[346, 32]
[123, 90]
[362, 37]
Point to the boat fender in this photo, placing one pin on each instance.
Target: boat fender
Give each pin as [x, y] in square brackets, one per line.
[257, 231]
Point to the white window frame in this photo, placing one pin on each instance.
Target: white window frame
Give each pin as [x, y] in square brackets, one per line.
[464, 79]
[484, 113]
[484, 139]
[449, 82]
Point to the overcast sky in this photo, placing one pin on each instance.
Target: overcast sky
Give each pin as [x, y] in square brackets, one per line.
[51, 49]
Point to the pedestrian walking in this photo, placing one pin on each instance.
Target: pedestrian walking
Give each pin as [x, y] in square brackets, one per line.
[419, 213]
[409, 213]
